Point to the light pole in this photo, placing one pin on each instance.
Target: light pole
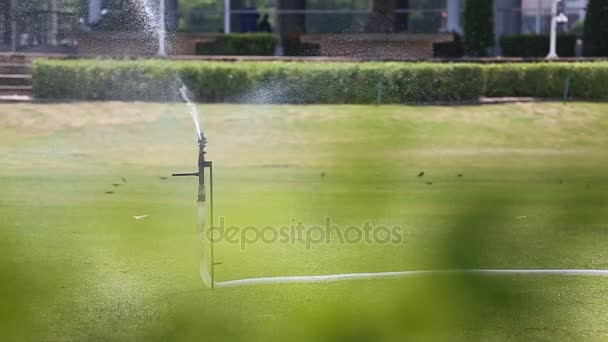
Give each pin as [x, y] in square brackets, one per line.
[539, 7]
[557, 17]
[227, 17]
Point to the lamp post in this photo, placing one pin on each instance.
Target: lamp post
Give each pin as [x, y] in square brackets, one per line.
[227, 18]
[539, 7]
[557, 17]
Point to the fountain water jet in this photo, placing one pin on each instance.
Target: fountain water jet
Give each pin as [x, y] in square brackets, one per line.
[155, 23]
[162, 30]
[183, 91]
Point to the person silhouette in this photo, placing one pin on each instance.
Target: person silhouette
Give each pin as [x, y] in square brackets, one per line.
[264, 25]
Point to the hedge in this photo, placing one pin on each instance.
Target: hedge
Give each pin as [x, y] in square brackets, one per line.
[547, 80]
[274, 82]
[533, 45]
[296, 82]
[244, 44]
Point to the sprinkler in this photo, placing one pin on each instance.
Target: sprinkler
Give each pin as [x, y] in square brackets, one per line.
[202, 165]
[202, 193]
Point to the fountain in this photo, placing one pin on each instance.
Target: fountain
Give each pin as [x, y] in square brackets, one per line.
[183, 91]
[155, 22]
[162, 30]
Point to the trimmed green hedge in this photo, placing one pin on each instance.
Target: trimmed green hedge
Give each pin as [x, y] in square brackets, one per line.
[243, 44]
[547, 80]
[533, 45]
[274, 82]
[293, 82]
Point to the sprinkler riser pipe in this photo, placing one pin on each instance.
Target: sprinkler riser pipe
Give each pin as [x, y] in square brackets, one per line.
[202, 196]
[202, 164]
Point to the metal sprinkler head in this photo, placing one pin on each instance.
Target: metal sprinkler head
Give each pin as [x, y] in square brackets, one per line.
[202, 165]
[202, 145]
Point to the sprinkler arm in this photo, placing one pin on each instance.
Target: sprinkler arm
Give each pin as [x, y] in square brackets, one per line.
[194, 174]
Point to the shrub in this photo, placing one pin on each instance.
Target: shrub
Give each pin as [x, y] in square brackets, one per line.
[478, 27]
[244, 44]
[273, 82]
[596, 29]
[293, 46]
[547, 80]
[453, 49]
[533, 45]
[290, 82]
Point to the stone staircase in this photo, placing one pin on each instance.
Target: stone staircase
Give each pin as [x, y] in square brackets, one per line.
[15, 78]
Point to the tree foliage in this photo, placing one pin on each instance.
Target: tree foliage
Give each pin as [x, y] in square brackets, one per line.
[596, 29]
[478, 27]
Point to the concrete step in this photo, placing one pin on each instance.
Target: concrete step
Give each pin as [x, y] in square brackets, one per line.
[15, 80]
[28, 57]
[15, 98]
[14, 58]
[12, 90]
[14, 68]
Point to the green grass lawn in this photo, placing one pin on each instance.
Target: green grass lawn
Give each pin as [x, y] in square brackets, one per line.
[517, 186]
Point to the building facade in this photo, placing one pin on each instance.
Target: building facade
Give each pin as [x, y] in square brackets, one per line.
[56, 23]
[365, 16]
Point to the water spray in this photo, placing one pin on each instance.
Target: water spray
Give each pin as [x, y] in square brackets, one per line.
[162, 31]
